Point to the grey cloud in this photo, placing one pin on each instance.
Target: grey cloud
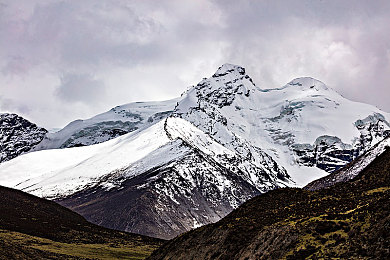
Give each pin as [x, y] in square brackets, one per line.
[78, 34]
[15, 65]
[80, 88]
[98, 54]
[12, 106]
[343, 43]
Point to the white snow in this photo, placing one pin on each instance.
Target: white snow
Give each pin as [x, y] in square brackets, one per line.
[50, 173]
[178, 127]
[137, 112]
[59, 172]
[272, 119]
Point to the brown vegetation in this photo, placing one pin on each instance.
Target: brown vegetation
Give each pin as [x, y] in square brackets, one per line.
[31, 228]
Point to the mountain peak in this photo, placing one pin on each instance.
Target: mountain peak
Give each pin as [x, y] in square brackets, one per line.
[229, 68]
[18, 135]
[307, 82]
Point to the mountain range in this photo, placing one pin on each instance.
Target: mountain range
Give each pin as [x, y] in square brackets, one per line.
[163, 168]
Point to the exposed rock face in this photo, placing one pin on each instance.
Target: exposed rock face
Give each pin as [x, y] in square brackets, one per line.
[17, 136]
[330, 153]
[351, 170]
[210, 107]
[372, 129]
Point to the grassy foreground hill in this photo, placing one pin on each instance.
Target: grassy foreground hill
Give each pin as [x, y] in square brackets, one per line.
[347, 221]
[35, 228]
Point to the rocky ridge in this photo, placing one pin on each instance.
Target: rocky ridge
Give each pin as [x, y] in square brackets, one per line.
[330, 153]
[17, 136]
[352, 169]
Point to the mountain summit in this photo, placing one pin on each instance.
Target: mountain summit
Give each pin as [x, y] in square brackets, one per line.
[305, 83]
[192, 160]
[229, 69]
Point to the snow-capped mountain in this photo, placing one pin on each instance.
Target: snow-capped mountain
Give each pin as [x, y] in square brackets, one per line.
[17, 136]
[199, 156]
[304, 123]
[118, 121]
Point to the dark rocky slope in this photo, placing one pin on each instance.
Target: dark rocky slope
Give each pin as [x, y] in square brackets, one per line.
[161, 202]
[350, 220]
[33, 228]
[17, 136]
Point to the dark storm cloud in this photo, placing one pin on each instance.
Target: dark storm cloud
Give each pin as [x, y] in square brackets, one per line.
[79, 58]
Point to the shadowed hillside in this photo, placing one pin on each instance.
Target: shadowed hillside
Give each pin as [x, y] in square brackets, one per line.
[34, 228]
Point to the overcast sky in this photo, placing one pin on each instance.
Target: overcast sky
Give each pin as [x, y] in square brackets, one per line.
[64, 60]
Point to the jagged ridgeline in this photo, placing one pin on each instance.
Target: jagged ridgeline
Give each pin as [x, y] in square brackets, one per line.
[190, 161]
